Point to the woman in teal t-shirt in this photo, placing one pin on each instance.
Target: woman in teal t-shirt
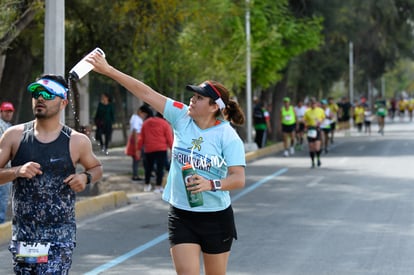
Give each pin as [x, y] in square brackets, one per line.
[204, 138]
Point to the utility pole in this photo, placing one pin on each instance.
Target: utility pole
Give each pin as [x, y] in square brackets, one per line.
[351, 72]
[250, 145]
[54, 49]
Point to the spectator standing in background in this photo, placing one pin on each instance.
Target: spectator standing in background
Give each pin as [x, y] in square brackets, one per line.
[261, 121]
[6, 115]
[104, 118]
[156, 138]
[145, 112]
[131, 149]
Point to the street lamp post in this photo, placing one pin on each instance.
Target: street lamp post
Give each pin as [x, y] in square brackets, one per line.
[351, 72]
[54, 49]
[250, 145]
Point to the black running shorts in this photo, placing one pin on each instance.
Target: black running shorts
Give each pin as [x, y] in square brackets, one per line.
[213, 231]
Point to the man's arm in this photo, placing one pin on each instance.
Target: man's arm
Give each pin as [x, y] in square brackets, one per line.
[81, 152]
[9, 143]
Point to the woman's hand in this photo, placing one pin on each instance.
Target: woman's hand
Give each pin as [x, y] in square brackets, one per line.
[100, 65]
[198, 184]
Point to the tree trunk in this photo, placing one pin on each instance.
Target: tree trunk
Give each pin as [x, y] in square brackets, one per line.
[22, 22]
[120, 110]
[278, 92]
[16, 76]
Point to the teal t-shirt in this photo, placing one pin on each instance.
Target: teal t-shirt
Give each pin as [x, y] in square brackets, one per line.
[211, 151]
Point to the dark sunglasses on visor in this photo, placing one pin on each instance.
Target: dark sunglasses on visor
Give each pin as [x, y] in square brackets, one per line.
[44, 94]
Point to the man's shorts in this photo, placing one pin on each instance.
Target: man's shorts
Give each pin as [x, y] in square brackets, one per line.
[59, 260]
[301, 127]
[288, 128]
[213, 231]
[326, 130]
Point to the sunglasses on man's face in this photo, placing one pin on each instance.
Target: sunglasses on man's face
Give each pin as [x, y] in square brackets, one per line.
[44, 94]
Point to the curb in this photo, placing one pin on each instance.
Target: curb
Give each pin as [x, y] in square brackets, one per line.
[116, 199]
[264, 151]
[5, 232]
[101, 203]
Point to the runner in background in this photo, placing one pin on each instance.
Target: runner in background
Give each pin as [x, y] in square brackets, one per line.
[381, 112]
[401, 108]
[392, 108]
[325, 125]
[288, 117]
[410, 108]
[313, 119]
[367, 120]
[300, 110]
[359, 116]
[333, 107]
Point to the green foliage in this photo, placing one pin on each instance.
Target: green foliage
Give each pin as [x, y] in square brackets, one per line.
[400, 78]
[212, 42]
[8, 14]
[169, 43]
[15, 15]
[217, 45]
[381, 32]
[279, 38]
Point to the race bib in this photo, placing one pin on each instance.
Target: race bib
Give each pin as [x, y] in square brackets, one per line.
[32, 252]
[288, 117]
[312, 133]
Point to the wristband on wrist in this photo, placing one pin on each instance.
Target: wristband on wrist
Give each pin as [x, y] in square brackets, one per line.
[88, 177]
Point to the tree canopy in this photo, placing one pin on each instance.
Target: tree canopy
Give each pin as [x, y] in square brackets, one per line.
[170, 43]
[381, 33]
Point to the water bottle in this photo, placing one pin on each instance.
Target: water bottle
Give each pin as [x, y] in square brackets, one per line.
[193, 199]
[83, 67]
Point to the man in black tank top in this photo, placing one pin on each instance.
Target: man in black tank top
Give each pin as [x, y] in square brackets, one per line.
[44, 154]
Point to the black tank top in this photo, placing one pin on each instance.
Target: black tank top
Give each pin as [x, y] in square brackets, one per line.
[44, 206]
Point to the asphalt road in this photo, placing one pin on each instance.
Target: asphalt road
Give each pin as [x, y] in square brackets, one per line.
[354, 215]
